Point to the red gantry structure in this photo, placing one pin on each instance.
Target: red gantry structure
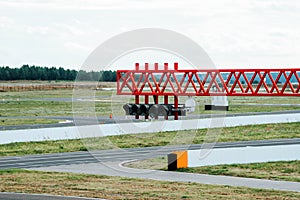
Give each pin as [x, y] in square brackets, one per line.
[153, 81]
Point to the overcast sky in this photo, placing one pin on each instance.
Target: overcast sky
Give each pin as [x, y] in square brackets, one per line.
[235, 33]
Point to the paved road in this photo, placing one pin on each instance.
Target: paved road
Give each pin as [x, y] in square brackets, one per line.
[120, 155]
[109, 162]
[107, 120]
[116, 169]
[20, 196]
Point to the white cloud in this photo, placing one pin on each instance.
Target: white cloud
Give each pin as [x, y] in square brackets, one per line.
[68, 30]
[43, 30]
[87, 4]
[232, 31]
[6, 22]
[72, 46]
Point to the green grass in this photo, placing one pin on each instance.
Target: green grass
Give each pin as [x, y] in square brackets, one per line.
[35, 108]
[280, 170]
[264, 100]
[285, 170]
[31, 104]
[246, 109]
[239, 104]
[27, 148]
[15, 104]
[99, 186]
[18, 103]
[22, 121]
[63, 93]
[230, 134]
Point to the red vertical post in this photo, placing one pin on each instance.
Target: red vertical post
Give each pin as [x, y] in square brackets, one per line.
[137, 66]
[146, 66]
[155, 96]
[156, 66]
[176, 66]
[118, 83]
[155, 102]
[137, 101]
[146, 102]
[176, 107]
[155, 99]
[166, 66]
[166, 103]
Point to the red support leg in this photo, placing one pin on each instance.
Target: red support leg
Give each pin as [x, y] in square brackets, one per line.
[156, 66]
[155, 102]
[166, 103]
[137, 101]
[146, 102]
[137, 66]
[166, 66]
[176, 107]
[176, 66]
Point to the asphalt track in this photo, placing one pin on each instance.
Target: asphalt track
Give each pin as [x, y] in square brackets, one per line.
[120, 155]
[21, 196]
[109, 162]
[107, 120]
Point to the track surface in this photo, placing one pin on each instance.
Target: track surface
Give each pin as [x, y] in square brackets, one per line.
[106, 120]
[20, 196]
[120, 155]
[109, 162]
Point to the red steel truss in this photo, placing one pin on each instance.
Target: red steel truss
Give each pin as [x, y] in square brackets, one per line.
[223, 82]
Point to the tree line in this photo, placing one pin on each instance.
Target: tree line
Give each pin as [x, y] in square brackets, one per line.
[33, 72]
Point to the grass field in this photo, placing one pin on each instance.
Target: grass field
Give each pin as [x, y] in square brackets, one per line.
[17, 121]
[230, 134]
[125, 188]
[283, 170]
[59, 103]
[50, 103]
[33, 103]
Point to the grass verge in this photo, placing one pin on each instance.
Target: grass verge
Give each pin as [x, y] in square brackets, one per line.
[58, 103]
[22, 121]
[230, 134]
[285, 170]
[99, 186]
[282, 170]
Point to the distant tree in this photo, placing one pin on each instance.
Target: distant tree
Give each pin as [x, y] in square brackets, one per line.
[109, 76]
[27, 72]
